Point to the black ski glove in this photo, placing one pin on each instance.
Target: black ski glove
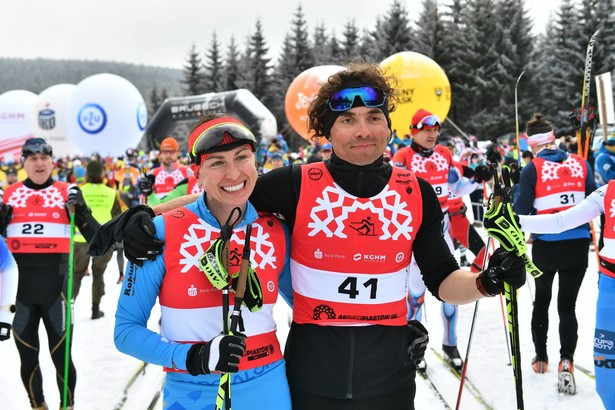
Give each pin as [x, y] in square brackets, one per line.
[133, 227]
[75, 197]
[5, 331]
[139, 241]
[514, 173]
[6, 213]
[503, 267]
[146, 184]
[419, 338]
[221, 354]
[482, 173]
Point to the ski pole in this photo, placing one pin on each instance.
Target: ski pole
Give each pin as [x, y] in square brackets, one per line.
[517, 121]
[500, 223]
[465, 362]
[582, 138]
[226, 232]
[69, 305]
[584, 132]
[241, 281]
[519, 165]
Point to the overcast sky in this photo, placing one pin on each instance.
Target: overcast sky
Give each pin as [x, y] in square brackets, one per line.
[160, 32]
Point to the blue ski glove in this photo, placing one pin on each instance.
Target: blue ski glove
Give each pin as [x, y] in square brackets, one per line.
[221, 354]
[419, 338]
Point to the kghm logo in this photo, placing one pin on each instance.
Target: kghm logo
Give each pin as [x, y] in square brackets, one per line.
[47, 119]
[369, 257]
[92, 118]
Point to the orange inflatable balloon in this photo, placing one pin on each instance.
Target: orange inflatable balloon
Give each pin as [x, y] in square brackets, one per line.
[422, 84]
[301, 92]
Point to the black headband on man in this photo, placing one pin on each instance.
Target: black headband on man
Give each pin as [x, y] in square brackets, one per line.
[330, 116]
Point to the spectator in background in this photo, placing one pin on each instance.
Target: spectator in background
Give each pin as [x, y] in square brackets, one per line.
[526, 157]
[105, 204]
[315, 155]
[170, 172]
[38, 235]
[78, 172]
[276, 160]
[552, 182]
[604, 165]
[326, 150]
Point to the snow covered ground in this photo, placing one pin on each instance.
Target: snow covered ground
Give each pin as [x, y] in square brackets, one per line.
[103, 372]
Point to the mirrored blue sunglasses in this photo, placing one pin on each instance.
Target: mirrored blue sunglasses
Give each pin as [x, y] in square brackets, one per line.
[429, 121]
[343, 100]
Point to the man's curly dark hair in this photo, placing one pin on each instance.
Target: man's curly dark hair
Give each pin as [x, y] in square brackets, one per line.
[369, 73]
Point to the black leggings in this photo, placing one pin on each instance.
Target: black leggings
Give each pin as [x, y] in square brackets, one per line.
[399, 400]
[569, 259]
[28, 315]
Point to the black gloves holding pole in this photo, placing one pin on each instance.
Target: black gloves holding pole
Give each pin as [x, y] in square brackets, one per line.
[221, 354]
[418, 341]
[503, 267]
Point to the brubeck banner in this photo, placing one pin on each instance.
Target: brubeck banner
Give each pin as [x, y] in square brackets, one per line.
[176, 116]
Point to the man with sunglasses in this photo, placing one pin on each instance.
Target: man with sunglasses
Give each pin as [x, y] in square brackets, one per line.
[434, 163]
[35, 213]
[164, 178]
[355, 221]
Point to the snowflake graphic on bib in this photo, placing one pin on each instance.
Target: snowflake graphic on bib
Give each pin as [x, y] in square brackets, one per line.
[552, 171]
[423, 165]
[51, 197]
[200, 235]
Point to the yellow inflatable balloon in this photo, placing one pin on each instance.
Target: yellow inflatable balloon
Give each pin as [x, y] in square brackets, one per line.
[422, 84]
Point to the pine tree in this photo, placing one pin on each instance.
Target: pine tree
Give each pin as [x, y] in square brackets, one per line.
[393, 34]
[369, 48]
[605, 48]
[154, 101]
[560, 61]
[259, 66]
[302, 56]
[430, 30]
[232, 71]
[350, 43]
[320, 46]
[514, 45]
[335, 50]
[213, 77]
[193, 73]
[458, 63]
[483, 99]
[163, 95]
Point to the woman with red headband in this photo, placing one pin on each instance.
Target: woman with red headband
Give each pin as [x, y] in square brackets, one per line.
[195, 345]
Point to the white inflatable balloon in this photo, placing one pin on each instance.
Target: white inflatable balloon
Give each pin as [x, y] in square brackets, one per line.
[16, 108]
[106, 114]
[49, 119]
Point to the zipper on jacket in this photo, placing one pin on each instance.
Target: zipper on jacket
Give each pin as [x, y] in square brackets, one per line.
[350, 366]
